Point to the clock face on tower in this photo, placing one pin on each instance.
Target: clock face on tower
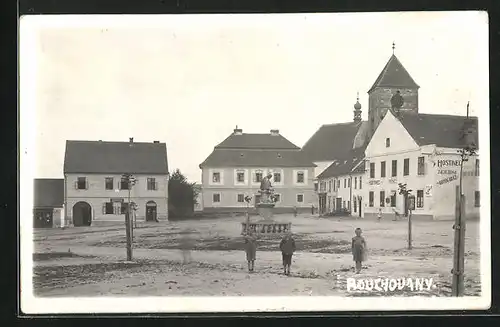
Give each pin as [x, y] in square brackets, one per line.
[397, 100]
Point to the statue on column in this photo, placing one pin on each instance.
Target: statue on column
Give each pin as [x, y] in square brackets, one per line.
[266, 189]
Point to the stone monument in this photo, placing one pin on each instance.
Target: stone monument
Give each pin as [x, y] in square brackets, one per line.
[265, 208]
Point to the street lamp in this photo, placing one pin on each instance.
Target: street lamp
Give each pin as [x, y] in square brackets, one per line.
[130, 180]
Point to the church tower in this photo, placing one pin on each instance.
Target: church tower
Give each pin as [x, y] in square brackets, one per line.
[394, 89]
[357, 110]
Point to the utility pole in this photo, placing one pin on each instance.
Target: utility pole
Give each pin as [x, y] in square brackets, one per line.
[130, 180]
[409, 201]
[468, 150]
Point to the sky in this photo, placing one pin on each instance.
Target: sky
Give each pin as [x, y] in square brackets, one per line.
[189, 80]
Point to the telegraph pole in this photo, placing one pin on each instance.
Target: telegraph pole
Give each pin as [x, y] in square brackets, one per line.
[130, 180]
[468, 150]
[406, 194]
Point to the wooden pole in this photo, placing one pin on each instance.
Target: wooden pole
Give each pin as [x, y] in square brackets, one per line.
[409, 231]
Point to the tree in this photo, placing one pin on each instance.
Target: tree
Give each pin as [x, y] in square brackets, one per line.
[182, 195]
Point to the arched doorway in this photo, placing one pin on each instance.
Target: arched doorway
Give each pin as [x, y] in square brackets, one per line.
[82, 214]
[151, 211]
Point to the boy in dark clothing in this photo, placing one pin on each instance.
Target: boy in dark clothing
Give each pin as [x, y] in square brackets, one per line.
[358, 249]
[287, 247]
[250, 249]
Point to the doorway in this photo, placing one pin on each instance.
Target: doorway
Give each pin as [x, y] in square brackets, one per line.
[82, 214]
[151, 211]
[42, 218]
[359, 205]
[338, 204]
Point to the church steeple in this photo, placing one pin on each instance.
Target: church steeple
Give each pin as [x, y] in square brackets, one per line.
[393, 79]
[357, 110]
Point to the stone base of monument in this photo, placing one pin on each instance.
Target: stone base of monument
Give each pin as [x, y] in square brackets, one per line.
[267, 225]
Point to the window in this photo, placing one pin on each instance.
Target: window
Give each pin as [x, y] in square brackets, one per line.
[360, 183]
[316, 187]
[240, 177]
[393, 199]
[345, 182]
[349, 182]
[277, 177]
[382, 169]
[300, 177]
[382, 198]
[216, 177]
[216, 198]
[420, 198]
[476, 199]
[81, 183]
[421, 166]
[123, 208]
[152, 185]
[123, 184]
[355, 184]
[241, 198]
[394, 168]
[372, 170]
[387, 142]
[329, 186]
[338, 183]
[349, 205]
[476, 168]
[277, 197]
[257, 177]
[108, 208]
[300, 198]
[370, 199]
[406, 167]
[355, 204]
[108, 181]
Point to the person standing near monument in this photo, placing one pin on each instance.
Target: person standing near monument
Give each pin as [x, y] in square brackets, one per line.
[287, 247]
[250, 249]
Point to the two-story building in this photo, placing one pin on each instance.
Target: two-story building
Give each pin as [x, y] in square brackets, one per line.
[237, 165]
[341, 183]
[94, 188]
[420, 150]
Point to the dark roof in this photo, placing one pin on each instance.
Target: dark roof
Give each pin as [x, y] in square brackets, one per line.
[394, 75]
[101, 157]
[48, 193]
[331, 142]
[256, 141]
[256, 158]
[442, 130]
[345, 165]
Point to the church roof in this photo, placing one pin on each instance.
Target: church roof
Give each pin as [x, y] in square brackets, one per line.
[332, 141]
[394, 75]
[441, 130]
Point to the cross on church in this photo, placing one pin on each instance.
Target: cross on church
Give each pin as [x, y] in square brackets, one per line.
[393, 47]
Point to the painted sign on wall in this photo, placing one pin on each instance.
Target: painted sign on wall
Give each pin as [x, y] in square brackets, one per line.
[448, 163]
[428, 190]
[393, 180]
[374, 182]
[447, 180]
[446, 172]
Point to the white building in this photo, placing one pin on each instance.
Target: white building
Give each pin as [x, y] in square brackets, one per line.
[94, 190]
[420, 150]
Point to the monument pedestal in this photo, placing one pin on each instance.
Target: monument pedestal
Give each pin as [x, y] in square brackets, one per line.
[267, 225]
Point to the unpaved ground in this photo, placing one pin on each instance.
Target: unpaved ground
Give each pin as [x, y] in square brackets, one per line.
[90, 261]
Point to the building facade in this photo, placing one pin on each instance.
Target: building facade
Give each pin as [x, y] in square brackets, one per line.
[95, 190]
[421, 151]
[234, 170]
[48, 209]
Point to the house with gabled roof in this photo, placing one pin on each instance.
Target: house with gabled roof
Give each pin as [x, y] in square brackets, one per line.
[48, 203]
[421, 151]
[95, 190]
[236, 166]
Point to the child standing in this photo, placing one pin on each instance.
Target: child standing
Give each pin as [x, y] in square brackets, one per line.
[379, 215]
[287, 247]
[358, 249]
[250, 249]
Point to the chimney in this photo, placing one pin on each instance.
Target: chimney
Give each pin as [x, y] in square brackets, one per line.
[275, 132]
[156, 141]
[238, 131]
[131, 140]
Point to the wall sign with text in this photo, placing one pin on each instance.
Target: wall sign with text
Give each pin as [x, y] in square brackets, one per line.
[447, 180]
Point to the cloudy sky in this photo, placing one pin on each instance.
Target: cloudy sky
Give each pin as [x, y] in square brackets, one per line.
[189, 80]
